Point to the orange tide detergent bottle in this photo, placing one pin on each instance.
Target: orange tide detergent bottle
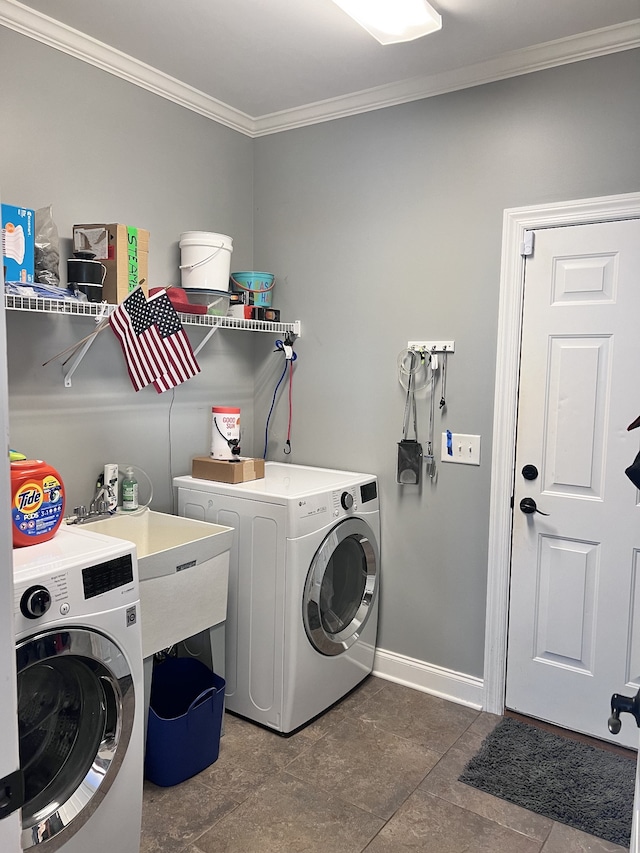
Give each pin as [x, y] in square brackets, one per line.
[37, 501]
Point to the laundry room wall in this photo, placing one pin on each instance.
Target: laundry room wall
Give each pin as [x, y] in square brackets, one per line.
[386, 227]
[381, 228]
[99, 149]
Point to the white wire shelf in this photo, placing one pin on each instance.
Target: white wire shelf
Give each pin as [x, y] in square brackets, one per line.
[102, 309]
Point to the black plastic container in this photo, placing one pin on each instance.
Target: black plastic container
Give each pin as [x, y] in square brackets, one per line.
[86, 274]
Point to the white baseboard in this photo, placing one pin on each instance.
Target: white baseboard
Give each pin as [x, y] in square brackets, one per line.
[446, 683]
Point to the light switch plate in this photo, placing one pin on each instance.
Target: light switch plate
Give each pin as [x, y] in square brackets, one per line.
[465, 449]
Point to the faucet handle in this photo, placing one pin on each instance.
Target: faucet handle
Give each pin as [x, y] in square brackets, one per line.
[80, 512]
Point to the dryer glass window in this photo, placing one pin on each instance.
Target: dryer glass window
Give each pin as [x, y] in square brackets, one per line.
[340, 587]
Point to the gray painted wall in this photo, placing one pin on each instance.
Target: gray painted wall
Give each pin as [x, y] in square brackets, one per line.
[385, 228]
[381, 228]
[100, 149]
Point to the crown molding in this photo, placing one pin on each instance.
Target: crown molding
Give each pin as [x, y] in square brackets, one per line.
[28, 22]
[42, 28]
[537, 58]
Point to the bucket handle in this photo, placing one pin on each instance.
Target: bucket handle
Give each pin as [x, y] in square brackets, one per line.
[251, 290]
[202, 697]
[203, 261]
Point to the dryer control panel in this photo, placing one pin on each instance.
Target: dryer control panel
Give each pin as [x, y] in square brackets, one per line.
[344, 502]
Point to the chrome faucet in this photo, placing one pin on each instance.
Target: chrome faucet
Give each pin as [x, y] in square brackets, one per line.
[98, 508]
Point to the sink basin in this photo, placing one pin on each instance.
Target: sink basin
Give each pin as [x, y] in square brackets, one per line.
[165, 544]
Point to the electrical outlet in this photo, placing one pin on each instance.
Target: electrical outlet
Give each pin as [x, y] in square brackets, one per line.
[464, 449]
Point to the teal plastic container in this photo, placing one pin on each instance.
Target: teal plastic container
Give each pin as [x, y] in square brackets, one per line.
[257, 285]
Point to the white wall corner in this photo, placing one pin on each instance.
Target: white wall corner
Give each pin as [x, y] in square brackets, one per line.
[429, 678]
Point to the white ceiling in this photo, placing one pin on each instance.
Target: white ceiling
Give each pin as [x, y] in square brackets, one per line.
[262, 66]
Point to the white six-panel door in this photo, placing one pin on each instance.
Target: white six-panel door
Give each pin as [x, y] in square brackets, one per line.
[574, 614]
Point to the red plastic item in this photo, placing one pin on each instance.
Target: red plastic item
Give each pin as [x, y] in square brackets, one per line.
[37, 502]
[180, 300]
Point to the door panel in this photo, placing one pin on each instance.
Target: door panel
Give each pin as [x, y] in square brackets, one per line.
[574, 602]
[564, 630]
[578, 390]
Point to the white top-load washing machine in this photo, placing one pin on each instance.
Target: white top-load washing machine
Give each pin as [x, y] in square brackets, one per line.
[303, 586]
[80, 693]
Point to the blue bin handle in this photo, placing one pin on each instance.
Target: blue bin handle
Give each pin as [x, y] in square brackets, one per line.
[206, 694]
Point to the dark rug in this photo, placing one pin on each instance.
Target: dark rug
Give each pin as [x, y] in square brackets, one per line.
[574, 783]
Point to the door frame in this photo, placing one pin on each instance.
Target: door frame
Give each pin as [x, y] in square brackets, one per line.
[516, 221]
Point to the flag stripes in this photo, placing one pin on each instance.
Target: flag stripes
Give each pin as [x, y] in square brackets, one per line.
[154, 344]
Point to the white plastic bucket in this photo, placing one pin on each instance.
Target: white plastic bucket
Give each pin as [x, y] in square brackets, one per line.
[205, 260]
[225, 431]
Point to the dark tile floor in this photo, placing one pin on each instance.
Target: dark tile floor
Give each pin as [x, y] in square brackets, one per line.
[377, 773]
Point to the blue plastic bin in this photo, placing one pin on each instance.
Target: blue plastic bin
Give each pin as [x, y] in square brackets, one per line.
[185, 720]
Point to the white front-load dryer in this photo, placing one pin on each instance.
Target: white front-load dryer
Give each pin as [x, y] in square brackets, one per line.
[304, 578]
[80, 693]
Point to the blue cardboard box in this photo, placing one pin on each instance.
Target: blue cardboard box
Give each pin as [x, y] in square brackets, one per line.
[18, 243]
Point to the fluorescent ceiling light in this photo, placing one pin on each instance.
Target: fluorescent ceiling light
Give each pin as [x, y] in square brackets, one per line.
[392, 21]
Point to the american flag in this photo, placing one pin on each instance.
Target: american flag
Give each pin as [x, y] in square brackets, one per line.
[155, 347]
[182, 364]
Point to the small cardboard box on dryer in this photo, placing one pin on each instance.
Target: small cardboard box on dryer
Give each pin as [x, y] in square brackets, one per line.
[123, 250]
[206, 468]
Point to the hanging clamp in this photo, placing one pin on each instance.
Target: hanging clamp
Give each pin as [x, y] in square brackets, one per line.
[286, 347]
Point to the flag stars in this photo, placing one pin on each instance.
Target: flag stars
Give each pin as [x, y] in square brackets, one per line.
[166, 319]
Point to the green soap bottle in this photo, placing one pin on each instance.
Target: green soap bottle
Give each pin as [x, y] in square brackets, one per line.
[129, 491]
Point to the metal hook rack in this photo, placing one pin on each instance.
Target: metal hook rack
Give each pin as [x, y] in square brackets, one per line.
[430, 347]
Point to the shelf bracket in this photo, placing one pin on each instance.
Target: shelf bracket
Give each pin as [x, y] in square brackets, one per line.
[85, 347]
[209, 334]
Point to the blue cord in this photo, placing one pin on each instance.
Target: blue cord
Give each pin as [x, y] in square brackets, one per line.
[266, 429]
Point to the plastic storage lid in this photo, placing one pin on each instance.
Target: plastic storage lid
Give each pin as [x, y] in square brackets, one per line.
[205, 238]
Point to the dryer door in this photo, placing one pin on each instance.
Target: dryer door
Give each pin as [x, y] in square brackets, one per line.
[341, 587]
[75, 716]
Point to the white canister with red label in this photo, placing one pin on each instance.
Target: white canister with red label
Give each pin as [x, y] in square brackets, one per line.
[225, 432]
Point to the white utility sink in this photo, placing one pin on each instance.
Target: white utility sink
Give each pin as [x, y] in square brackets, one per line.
[183, 566]
[165, 543]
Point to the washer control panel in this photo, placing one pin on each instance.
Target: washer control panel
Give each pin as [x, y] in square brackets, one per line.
[35, 601]
[49, 596]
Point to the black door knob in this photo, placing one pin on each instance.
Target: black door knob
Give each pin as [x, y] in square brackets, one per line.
[530, 472]
[620, 705]
[528, 506]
